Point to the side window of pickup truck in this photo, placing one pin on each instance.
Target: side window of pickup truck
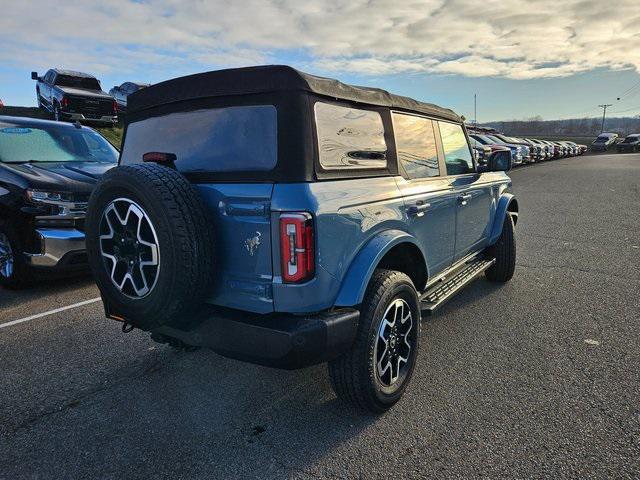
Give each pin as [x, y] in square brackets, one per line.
[416, 146]
[457, 154]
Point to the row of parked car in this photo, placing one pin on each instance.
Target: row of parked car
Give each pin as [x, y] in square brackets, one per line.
[78, 96]
[523, 150]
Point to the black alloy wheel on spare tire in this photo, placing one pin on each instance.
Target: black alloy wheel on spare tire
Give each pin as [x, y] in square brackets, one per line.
[150, 244]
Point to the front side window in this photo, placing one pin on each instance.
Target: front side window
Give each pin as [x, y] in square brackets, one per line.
[416, 146]
[457, 155]
[349, 138]
[228, 139]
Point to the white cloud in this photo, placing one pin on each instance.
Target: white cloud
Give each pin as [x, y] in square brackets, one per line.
[509, 38]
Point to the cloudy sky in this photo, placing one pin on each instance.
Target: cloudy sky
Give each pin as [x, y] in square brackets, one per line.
[554, 58]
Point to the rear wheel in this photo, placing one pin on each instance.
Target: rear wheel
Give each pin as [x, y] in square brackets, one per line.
[375, 373]
[57, 113]
[14, 272]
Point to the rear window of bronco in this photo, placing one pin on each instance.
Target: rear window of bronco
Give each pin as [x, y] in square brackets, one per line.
[224, 139]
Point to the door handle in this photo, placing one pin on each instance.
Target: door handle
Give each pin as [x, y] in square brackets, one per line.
[418, 209]
[464, 199]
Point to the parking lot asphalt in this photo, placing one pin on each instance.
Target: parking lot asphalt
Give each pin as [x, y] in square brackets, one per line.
[536, 378]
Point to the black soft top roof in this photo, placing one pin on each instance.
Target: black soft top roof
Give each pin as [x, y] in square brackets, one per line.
[272, 79]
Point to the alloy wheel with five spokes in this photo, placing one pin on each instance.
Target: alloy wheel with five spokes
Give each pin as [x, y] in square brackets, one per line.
[129, 248]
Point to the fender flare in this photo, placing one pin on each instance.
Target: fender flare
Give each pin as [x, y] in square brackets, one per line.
[355, 281]
[505, 201]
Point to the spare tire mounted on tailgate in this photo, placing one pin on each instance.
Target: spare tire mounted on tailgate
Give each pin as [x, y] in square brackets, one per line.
[150, 244]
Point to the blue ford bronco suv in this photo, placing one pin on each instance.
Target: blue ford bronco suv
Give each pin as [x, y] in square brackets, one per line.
[286, 219]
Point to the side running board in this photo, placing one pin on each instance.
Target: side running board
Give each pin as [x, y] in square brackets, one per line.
[443, 290]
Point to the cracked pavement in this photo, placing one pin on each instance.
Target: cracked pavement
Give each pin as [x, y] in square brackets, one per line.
[538, 378]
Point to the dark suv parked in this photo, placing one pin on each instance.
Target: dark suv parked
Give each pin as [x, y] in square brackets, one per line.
[287, 219]
[75, 96]
[47, 171]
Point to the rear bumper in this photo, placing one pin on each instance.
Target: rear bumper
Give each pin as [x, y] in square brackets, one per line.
[108, 119]
[60, 248]
[276, 340]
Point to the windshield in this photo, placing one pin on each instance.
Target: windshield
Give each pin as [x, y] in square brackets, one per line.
[483, 139]
[78, 82]
[496, 139]
[55, 143]
[601, 140]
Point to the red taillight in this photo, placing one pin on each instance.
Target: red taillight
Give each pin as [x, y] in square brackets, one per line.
[115, 107]
[163, 158]
[64, 103]
[297, 247]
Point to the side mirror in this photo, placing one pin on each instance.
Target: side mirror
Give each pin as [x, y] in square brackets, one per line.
[499, 161]
[34, 75]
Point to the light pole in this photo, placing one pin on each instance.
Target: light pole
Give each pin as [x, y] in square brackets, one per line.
[475, 110]
[604, 114]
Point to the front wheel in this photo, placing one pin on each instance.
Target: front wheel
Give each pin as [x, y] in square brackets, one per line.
[13, 270]
[374, 374]
[504, 251]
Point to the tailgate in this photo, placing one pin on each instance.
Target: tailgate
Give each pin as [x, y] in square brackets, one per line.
[244, 271]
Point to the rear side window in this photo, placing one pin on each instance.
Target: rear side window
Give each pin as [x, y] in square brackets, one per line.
[228, 139]
[457, 155]
[349, 138]
[416, 146]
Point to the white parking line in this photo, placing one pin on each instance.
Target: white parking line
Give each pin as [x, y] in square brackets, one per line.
[50, 312]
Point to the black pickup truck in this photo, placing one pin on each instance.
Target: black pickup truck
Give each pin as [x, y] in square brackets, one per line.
[47, 172]
[75, 96]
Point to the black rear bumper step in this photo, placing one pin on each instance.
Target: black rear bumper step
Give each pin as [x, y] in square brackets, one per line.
[276, 340]
[442, 291]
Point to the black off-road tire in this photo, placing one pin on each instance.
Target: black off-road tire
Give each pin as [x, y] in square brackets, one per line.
[353, 375]
[22, 275]
[185, 241]
[504, 251]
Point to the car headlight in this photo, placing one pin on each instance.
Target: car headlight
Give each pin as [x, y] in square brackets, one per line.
[60, 209]
[52, 198]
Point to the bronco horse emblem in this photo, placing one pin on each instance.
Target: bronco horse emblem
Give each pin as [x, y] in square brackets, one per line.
[251, 244]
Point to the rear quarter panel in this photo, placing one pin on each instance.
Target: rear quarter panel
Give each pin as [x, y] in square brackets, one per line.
[347, 214]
